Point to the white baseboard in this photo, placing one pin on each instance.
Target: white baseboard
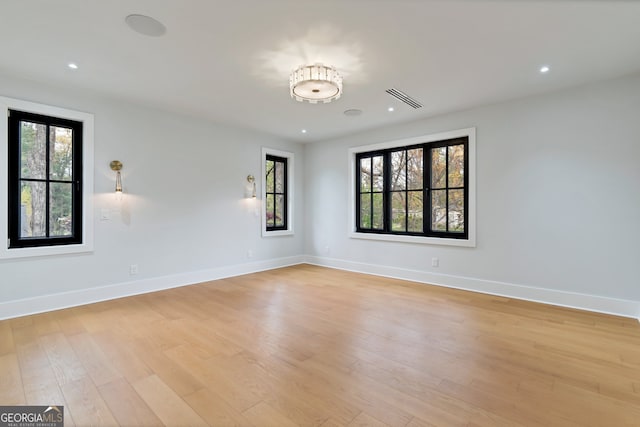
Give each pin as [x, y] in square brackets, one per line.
[619, 307]
[41, 304]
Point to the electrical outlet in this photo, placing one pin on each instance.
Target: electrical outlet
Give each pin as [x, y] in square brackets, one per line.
[133, 269]
[249, 254]
[435, 262]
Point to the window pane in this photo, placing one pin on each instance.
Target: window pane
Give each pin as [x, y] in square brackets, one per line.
[270, 210]
[61, 212]
[415, 169]
[398, 212]
[60, 150]
[398, 170]
[365, 175]
[365, 210]
[438, 167]
[280, 166]
[415, 211]
[439, 210]
[270, 182]
[456, 166]
[456, 211]
[33, 150]
[378, 173]
[378, 211]
[33, 206]
[279, 211]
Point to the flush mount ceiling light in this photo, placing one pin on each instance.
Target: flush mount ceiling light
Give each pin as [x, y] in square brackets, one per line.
[145, 25]
[315, 83]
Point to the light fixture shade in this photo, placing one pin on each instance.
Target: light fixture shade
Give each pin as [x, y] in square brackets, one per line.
[116, 166]
[315, 83]
[252, 180]
[118, 182]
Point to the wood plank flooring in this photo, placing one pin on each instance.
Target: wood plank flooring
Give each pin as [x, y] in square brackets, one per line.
[309, 346]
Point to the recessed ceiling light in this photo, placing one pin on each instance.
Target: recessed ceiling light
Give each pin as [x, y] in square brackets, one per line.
[544, 69]
[145, 25]
[304, 131]
[391, 109]
[72, 65]
[352, 112]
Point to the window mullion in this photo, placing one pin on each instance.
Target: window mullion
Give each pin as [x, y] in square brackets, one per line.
[446, 186]
[275, 193]
[47, 175]
[406, 191]
[426, 179]
[386, 190]
[371, 194]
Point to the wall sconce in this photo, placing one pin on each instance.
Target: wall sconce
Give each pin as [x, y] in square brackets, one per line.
[116, 166]
[252, 180]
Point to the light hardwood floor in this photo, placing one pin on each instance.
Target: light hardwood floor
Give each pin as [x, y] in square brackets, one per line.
[311, 346]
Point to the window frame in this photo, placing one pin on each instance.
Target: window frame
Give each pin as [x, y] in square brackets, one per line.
[284, 193]
[85, 242]
[432, 141]
[15, 180]
[287, 230]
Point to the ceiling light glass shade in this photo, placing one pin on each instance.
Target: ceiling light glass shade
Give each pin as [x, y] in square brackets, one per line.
[315, 83]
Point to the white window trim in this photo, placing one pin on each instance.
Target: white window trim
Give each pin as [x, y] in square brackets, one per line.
[470, 242]
[290, 193]
[7, 104]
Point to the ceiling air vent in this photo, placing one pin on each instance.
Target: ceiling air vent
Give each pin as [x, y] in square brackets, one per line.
[403, 97]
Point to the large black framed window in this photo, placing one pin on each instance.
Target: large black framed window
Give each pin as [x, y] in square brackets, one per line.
[416, 190]
[45, 180]
[276, 193]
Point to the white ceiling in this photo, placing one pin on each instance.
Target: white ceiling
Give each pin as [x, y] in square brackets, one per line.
[229, 61]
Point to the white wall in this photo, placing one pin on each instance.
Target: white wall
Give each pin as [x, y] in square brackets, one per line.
[184, 208]
[558, 205]
[557, 200]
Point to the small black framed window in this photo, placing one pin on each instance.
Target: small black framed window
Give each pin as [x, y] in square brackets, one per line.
[415, 190]
[276, 193]
[45, 180]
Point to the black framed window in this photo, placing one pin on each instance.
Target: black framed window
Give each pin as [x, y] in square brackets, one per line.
[276, 193]
[45, 180]
[417, 190]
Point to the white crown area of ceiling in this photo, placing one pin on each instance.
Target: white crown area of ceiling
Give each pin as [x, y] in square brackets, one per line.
[230, 61]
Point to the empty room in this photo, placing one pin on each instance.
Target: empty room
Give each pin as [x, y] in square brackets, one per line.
[330, 213]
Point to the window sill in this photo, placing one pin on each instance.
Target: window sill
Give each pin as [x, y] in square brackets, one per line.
[45, 251]
[276, 233]
[470, 243]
